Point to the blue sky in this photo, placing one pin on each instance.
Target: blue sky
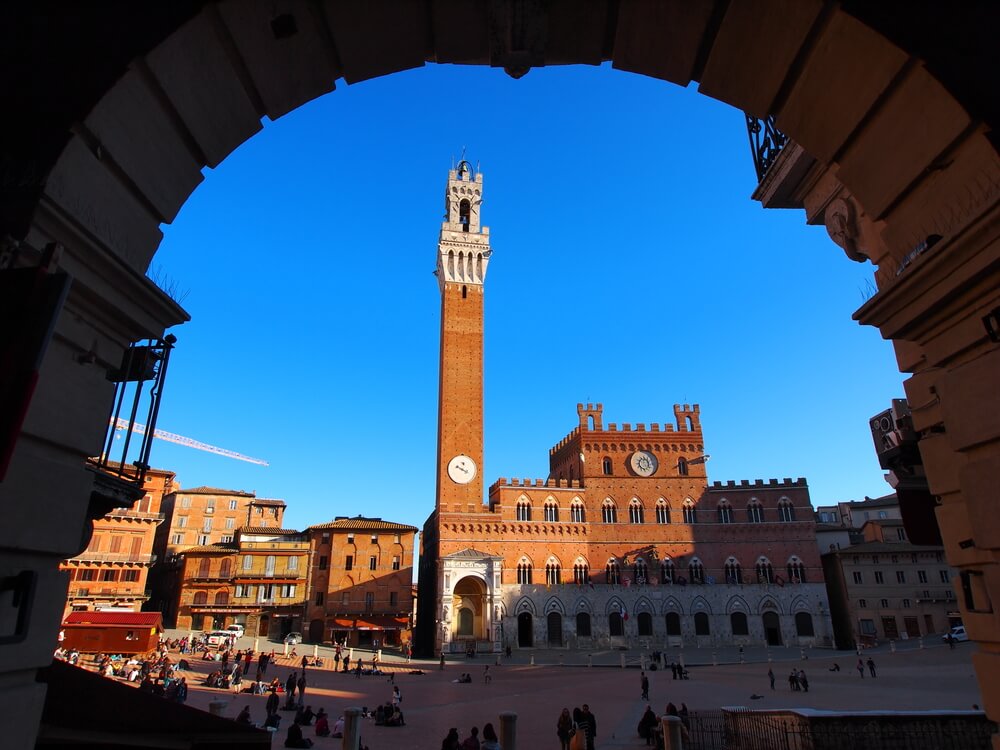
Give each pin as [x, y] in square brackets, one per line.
[630, 267]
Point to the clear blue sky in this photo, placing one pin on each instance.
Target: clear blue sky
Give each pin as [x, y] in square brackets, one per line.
[630, 267]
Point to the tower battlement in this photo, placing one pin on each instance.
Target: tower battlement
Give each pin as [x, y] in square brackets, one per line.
[756, 484]
[566, 484]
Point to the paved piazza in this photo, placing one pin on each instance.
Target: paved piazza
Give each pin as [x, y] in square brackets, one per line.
[911, 678]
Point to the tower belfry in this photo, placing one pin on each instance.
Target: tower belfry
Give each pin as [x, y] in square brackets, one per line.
[463, 256]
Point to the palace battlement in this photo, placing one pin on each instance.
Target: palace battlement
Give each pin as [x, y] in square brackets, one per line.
[759, 483]
[639, 427]
[567, 484]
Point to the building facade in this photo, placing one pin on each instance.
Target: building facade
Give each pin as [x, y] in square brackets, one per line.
[112, 573]
[361, 579]
[258, 580]
[625, 540]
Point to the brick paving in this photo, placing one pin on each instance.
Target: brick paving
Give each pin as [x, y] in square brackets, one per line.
[931, 678]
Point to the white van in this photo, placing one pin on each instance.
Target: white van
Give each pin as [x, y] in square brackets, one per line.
[236, 630]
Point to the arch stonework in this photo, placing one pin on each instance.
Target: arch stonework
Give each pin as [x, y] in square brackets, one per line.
[102, 168]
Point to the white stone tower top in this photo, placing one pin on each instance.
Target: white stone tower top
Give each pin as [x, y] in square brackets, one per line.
[463, 245]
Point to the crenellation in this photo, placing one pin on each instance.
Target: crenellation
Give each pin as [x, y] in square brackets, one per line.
[612, 427]
[654, 427]
[640, 427]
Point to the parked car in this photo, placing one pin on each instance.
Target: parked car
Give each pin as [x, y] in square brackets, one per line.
[957, 633]
[217, 637]
[292, 639]
[236, 630]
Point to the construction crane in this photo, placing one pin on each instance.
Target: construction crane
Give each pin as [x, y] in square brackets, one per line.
[121, 424]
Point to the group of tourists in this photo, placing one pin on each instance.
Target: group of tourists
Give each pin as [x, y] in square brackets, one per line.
[489, 740]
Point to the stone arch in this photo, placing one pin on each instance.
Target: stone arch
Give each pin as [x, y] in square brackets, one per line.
[615, 604]
[701, 604]
[582, 604]
[642, 604]
[672, 604]
[738, 604]
[524, 604]
[769, 603]
[799, 604]
[554, 604]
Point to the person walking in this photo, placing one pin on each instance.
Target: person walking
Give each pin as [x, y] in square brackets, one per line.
[301, 684]
[646, 725]
[487, 677]
[290, 686]
[861, 669]
[396, 697]
[803, 681]
[564, 729]
[271, 707]
[587, 724]
[871, 666]
[644, 684]
[770, 676]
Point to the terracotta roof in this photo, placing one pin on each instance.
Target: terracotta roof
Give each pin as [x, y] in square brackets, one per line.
[266, 530]
[268, 501]
[470, 553]
[145, 619]
[220, 547]
[359, 523]
[867, 548]
[214, 491]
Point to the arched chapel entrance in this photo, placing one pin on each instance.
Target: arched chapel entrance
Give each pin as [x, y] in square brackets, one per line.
[891, 119]
[470, 620]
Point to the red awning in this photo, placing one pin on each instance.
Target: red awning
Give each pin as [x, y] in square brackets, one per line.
[115, 619]
[371, 622]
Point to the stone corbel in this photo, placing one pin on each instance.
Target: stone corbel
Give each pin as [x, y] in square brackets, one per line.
[841, 219]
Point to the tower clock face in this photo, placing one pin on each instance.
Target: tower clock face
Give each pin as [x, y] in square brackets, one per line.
[643, 463]
[462, 469]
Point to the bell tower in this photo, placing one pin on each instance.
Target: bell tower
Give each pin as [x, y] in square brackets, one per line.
[463, 255]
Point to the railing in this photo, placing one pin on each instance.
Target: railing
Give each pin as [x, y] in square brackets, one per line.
[82, 593]
[934, 595]
[766, 142]
[137, 514]
[115, 557]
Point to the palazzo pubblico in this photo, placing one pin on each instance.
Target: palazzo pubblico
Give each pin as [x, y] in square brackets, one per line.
[624, 543]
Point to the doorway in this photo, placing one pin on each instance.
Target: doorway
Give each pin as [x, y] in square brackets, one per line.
[524, 635]
[554, 623]
[772, 628]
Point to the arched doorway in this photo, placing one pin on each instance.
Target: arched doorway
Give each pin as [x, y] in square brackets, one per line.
[470, 621]
[554, 629]
[616, 626]
[525, 636]
[772, 628]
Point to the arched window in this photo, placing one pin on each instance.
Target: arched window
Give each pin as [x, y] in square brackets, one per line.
[551, 511]
[682, 467]
[689, 512]
[667, 571]
[576, 512]
[612, 572]
[523, 511]
[738, 623]
[804, 625]
[634, 511]
[796, 571]
[221, 598]
[615, 624]
[204, 567]
[786, 511]
[765, 573]
[200, 597]
[644, 623]
[583, 625]
[673, 623]
[662, 511]
[225, 568]
[696, 571]
[640, 573]
[464, 209]
[553, 573]
[606, 466]
[734, 573]
[755, 512]
[581, 572]
[701, 624]
[725, 511]
[465, 620]
[524, 572]
[609, 513]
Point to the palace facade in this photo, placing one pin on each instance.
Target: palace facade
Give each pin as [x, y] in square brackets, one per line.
[626, 542]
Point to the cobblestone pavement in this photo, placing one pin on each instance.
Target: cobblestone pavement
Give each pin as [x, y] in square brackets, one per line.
[909, 678]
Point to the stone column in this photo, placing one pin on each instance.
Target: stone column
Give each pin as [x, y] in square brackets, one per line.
[671, 732]
[352, 728]
[508, 730]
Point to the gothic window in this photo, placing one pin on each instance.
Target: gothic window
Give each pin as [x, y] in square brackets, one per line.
[667, 571]
[662, 512]
[615, 625]
[673, 622]
[583, 625]
[786, 511]
[725, 512]
[755, 512]
[644, 624]
[796, 571]
[576, 513]
[524, 572]
[738, 623]
[553, 573]
[581, 573]
[734, 572]
[701, 624]
[609, 512]
[696, 571]
[635, 511]
[551, 511]
[765, 573]
[523, 510]
[804, 625]
[606, 465]
[612, 572]
[689, 512]
[682, 467]
[640, 573]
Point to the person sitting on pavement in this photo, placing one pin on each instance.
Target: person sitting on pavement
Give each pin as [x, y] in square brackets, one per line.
[294, 737]
[322, 724]
[338, 728]
[244, 716]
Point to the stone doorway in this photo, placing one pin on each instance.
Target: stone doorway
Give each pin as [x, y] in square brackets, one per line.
[554, 629]
[525, 636]
[772, 628]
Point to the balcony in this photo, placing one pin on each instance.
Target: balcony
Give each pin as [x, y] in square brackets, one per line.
[138, 515]
[105, 592]
[928, 596]
[115, 557]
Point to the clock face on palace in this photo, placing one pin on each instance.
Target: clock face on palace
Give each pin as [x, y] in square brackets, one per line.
[462, 469]
[643, 463]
